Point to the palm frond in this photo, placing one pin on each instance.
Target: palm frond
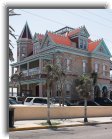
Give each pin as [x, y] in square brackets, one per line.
[10, 55]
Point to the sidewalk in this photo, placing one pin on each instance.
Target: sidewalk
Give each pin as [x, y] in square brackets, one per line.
[58, 123]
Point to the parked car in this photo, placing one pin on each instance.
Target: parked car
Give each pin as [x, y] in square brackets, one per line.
[68, 103]
[12, 101]
[89, 103]
[40, 101]
[19, 99]
[103, 101]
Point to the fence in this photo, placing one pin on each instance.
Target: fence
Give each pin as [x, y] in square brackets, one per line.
[35, 112]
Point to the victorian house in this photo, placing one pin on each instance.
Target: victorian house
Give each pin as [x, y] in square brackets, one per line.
[73, 48]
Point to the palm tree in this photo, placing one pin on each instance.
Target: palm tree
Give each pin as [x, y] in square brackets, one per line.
[11, 33]
[84, 88]
[94, 76]
[16, 77]
[54, 73]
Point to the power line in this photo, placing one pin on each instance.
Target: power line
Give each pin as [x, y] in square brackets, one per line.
[88, 11]
[100, 37]
[44, 18]
[58, 22]
[91, 20]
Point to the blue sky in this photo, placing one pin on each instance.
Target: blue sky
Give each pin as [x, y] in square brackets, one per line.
[97, 21]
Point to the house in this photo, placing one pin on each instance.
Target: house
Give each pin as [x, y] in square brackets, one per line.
[73, 49]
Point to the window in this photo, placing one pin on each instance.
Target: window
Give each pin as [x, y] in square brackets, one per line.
[101, 49]
[84, 44]
[68, 89]
[24, 49]
[58, 61]
[84, 66]
[81, 43]
[104, 70]
[96, 67]
[68, 64]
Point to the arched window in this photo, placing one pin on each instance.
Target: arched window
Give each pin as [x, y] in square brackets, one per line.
[104, 92]
[96, 91]
[68, 88]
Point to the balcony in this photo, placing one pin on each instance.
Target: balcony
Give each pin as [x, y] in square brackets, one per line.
[34, 73]
[31, 72]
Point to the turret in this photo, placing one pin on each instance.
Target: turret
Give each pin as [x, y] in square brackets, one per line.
[24, 43]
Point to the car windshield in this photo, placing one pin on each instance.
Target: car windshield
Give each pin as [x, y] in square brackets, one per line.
[13, 98]
[28, 99]
[40, 100]
[11, 101]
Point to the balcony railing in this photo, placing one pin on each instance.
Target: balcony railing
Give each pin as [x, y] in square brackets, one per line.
[30, 72]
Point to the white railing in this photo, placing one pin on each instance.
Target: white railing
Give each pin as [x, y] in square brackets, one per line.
[34, 71]
[25, 72]
[31, 71]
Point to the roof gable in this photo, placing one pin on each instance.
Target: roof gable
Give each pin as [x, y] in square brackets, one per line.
[45, 40]
[82, 31]
[102, 49]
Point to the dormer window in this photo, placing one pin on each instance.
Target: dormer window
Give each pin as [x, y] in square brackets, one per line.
[101, 49]
[83, 44]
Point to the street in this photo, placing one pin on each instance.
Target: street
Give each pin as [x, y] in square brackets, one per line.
[103, 131]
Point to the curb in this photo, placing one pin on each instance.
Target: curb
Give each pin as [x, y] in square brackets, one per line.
[58, 126]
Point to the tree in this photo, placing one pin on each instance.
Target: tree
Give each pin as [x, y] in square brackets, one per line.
[94, 76]
[16, 77]
[11, 34]
[54, 73]
[84, 88]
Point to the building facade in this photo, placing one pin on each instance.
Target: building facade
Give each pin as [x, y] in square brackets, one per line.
[73, 49]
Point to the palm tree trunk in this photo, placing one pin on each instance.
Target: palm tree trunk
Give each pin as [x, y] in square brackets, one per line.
[62, 97]
[20, 89]
[85, 110]
[48, 105]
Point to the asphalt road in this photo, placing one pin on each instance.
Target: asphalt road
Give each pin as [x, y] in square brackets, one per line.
[103, 131]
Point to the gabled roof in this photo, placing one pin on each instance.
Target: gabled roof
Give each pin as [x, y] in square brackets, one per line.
[92, 45]
[61, 40]
[26, 33]
[74, 32]
[78, 31]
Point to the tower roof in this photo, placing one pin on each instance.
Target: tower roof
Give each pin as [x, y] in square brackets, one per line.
[26, 33]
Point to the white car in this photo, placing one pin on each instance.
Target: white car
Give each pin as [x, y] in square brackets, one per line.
[39, 101]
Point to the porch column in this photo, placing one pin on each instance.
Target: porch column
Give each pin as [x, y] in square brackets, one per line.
[18, 90]
[40, 90]
[12, 90]
[40, 64]
[27, 86]
[28, 69]
[12, 74]
[12, 70]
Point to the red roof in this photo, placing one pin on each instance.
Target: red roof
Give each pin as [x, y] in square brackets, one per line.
[89, 41]
[40, 36]
[73, 32]
[58, 39]
[93, 45]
